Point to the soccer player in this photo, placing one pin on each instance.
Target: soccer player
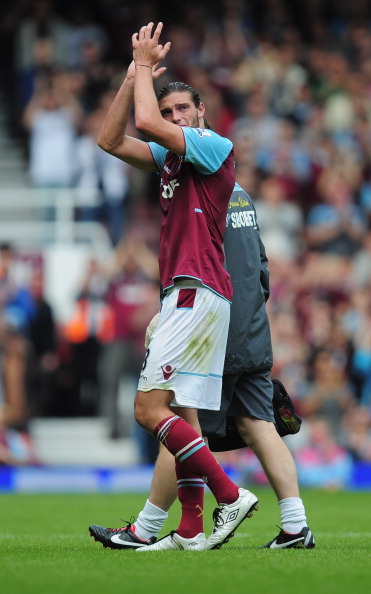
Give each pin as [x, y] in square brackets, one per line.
[246, 397]
[182, 371]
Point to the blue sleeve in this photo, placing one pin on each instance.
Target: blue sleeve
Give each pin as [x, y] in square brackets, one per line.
[158, 153]
[205, 149]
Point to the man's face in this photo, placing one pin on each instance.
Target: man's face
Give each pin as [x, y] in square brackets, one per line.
[180, 109]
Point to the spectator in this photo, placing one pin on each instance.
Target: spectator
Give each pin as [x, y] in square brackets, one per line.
[290, 80]
[16, 447]
[102, 181]
[329, 394]
[97, 71]
[361, 361]
[337, 225]
[82, 29]
[360, 275]
[25, 321]
[16, 304]
[52, 118]
[43, 358]
[40, 45]
[258, 122]
[322, 462]
[356, 433]
[280, 221]
[287, 159]
[133, 296]
[88, 329]
[290, 351]
[13, 359]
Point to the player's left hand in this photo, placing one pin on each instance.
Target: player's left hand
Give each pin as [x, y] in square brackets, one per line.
[146, 48]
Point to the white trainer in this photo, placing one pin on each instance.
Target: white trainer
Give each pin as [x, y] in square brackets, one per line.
[227, 518]
[175, 542]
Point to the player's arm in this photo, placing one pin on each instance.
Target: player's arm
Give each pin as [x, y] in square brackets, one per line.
[112, 136]
[148, 119]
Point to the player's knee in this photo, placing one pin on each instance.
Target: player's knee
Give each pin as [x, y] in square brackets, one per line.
[145, 415]
[140, 413]
[252, 429]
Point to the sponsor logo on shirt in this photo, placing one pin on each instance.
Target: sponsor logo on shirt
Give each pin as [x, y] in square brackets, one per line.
[168, 190]
[245, 218]
[201, 132]
[239, 202]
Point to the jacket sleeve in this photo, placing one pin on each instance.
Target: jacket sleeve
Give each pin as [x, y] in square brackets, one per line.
[264, 270]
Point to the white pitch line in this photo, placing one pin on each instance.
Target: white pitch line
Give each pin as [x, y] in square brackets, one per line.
[321, 534]
[344, 534]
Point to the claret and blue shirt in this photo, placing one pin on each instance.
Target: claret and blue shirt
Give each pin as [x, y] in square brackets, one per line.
[194, 196]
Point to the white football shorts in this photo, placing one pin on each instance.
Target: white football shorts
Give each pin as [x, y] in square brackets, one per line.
[187, 349]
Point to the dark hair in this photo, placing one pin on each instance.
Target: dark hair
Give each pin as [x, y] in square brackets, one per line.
[181, 87]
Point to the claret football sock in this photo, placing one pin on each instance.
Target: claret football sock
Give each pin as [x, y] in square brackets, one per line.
[191, 490]
[190, 449]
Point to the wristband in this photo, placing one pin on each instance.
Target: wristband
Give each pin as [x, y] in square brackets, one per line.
[146, 65]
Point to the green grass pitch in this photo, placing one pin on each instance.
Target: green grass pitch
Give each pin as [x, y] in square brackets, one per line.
[45, 548]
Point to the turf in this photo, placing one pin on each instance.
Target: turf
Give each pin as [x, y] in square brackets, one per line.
[45, 548]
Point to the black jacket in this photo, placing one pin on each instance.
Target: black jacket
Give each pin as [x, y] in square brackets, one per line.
[249, 346]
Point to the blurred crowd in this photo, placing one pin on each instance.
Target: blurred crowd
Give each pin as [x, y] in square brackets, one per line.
[290, 84]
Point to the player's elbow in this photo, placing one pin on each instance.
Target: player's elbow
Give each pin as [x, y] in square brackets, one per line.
[104, 144]
[144, 125]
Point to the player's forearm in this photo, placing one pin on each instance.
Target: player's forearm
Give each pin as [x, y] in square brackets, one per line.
[147, 114]
[112, 133]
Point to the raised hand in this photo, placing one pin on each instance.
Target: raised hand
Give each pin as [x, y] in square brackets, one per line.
[147, 51]
[156, 71]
